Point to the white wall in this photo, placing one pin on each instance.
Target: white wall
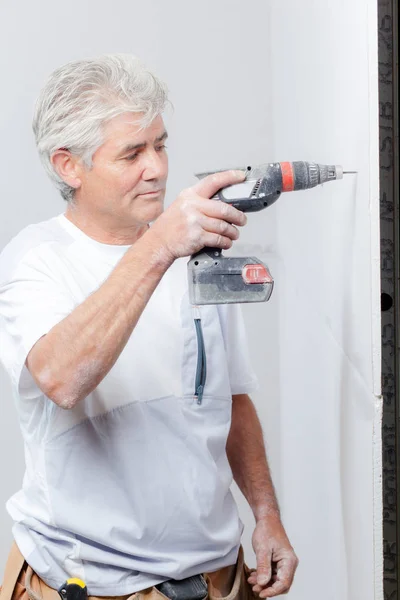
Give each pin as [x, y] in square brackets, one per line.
[252, 81]
[324, 98]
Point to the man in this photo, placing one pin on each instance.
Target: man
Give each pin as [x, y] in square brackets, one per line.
[133, 404]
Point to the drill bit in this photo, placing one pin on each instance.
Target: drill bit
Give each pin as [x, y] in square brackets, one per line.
[350, 172]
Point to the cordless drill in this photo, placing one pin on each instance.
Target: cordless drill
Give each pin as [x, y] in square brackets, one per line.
[217, 279]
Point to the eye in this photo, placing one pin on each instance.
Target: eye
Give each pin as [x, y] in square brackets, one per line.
[131, 157]
[160, 148]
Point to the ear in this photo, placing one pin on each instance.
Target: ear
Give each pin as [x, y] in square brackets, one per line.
[68, 167]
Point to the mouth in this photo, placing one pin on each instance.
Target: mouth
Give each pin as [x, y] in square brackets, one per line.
[154, 193]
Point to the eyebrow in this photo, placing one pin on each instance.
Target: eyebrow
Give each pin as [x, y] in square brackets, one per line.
[132, 147]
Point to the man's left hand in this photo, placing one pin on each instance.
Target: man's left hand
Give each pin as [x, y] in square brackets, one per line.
[276, 559]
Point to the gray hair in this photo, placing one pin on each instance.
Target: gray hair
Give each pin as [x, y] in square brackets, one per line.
[81, 96]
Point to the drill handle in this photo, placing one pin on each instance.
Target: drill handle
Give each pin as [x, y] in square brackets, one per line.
[245, 205]
[213, 253]
[259, 195]
[249, 204]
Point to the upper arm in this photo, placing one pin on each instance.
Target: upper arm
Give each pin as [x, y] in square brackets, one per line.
[32, 362]
[31, 303]
[240, 397]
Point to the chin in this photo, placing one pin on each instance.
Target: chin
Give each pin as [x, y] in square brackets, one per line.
[151, 214]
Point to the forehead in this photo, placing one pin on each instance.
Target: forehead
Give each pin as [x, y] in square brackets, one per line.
[126, 129]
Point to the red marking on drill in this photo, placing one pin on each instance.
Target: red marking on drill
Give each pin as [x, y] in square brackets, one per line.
[256, 274]
[287, 177]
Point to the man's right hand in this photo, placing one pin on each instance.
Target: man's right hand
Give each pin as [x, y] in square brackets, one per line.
[193, 221]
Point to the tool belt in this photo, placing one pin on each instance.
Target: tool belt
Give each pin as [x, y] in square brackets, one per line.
[191, 588]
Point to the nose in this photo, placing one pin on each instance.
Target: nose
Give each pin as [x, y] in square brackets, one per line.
[156, 166]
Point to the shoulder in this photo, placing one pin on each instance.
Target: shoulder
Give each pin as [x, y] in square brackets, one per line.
[31, 245]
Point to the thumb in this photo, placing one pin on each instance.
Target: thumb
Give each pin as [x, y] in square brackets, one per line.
[264, 570]
[210, 185]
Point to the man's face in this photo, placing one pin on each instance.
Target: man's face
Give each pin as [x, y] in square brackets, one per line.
[126, 185]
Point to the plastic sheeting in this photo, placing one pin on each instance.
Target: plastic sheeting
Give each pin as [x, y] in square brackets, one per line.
[324, 437]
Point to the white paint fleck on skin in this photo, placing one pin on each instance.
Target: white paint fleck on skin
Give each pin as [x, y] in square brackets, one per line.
[159, 256]
[79, 383]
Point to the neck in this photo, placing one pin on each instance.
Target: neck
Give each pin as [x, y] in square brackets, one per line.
[102, 230]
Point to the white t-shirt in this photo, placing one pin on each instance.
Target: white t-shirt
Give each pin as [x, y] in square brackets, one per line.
[132, 486]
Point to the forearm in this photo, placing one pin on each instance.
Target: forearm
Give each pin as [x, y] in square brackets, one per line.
[247, 458]
[276, 560]
[72, 359]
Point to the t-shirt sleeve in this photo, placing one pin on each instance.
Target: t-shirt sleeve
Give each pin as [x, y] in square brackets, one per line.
[32, 301]
[242, 377]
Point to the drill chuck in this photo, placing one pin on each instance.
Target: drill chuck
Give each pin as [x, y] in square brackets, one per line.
[297, 175]
[300, 175]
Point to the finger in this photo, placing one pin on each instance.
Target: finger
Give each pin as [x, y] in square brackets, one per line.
[278, 587]
[281, 583]
[210, 185]
[285, 573]
[214, 240]
[264, 570]
[219, 226]
[218, 209]
[252, 579]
